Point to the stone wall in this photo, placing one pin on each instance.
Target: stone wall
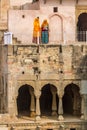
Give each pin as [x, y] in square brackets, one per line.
[47, 60]
[38, 65]
[23, 21]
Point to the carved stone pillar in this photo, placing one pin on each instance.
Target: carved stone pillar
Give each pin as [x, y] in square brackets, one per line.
[60, 109]
[37, 94]
[32, 105]
[54, 105]
[82, 107]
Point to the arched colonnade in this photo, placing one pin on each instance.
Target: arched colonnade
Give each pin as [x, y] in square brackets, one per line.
[48, 100]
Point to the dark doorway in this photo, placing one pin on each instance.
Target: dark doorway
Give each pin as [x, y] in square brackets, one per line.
[82, 27]
[68, 101]
[24, 100]
[71, 100]
[46, 100]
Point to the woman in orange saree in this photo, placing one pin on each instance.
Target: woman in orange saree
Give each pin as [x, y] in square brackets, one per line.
[36, 31]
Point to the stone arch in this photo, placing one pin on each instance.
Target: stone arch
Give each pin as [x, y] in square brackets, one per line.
[72, 100]
[66, 83]
[55, 32]
[24, 102]
[82, 27]
[48, 99]
[54, 83]
[21, 83]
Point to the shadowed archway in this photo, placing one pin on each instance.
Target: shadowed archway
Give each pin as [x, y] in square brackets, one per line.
[46, 100]
[24, 100]
[72, 100]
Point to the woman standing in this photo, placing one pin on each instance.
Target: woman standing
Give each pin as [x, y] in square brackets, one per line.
[45, 32]
[36, 31]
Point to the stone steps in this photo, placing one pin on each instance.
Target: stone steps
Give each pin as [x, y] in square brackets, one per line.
[16, 41]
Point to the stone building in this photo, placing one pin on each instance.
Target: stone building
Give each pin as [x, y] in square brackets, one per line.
[43, 86]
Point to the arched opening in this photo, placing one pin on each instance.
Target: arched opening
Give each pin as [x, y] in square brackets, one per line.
[82, 27]
[55, 27]
[46, 100]
[72, 100]
[24, 100]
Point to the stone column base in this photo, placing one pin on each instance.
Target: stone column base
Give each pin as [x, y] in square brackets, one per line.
[82, 117]
[32, 114]
[38, 118]
[61, 118]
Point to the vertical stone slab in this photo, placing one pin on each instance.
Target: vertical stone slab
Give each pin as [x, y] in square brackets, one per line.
[4, 8]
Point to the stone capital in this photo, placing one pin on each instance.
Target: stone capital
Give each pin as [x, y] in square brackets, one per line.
[60, 94]
[37, 93]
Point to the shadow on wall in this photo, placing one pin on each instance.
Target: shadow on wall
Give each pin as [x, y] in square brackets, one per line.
[82, 68]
